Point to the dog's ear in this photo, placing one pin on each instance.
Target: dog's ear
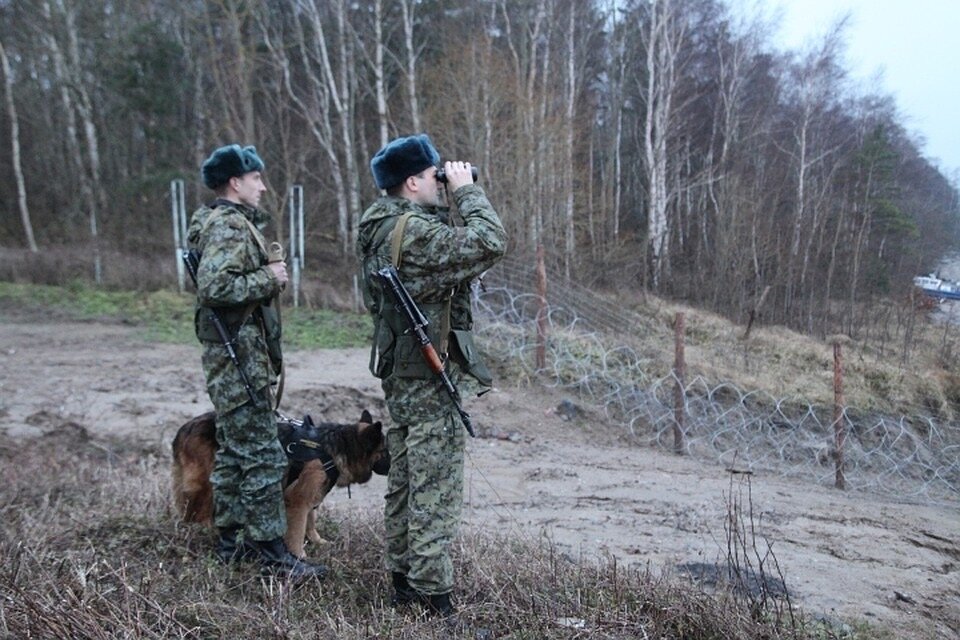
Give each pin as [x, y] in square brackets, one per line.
[366, 417]
[372, 433]
[368, 428]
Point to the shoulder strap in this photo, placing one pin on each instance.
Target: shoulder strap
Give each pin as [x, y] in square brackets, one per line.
[396, 239]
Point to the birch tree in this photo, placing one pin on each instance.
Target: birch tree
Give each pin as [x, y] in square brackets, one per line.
[412, 52]
[77, 104]
[524, 49]
[815, 89]
[15, 150]
[663, 36]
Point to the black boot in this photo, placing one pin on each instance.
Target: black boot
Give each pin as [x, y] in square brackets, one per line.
[440, 605]
[277, 559]
[228, 549]
[403, 593]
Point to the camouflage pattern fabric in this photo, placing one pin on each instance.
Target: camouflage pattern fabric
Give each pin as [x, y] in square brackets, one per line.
[247, 473]
[423, 501]
[426, 442]
[232, 277]
[436, 260]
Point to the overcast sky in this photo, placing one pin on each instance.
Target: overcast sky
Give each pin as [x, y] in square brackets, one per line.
[915, 44]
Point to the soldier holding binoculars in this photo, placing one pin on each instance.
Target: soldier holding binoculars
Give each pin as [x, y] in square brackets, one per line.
[409, 228]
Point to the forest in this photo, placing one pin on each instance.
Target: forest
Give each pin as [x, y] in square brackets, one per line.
[659, 146]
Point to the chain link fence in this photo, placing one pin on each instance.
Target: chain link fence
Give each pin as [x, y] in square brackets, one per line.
[590, 351]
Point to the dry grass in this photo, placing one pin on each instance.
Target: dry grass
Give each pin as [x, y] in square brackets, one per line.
[92, 551]
[902, 363]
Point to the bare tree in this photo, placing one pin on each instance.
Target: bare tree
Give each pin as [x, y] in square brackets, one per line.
[664, 37]
[232, 67]
[571, 101]
[408, 9]
[816, 82]
[323, 100]
[524, 48]
[77, 103]
[15, 150]
[379, 74]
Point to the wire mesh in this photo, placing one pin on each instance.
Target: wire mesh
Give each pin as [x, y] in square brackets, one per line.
[915, 457]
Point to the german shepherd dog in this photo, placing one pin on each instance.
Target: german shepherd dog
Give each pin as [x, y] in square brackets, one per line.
[320, 457]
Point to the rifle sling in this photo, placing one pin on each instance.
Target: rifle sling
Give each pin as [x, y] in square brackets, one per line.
[396, 242]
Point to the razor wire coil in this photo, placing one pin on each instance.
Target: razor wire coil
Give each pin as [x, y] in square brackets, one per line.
[915, 457]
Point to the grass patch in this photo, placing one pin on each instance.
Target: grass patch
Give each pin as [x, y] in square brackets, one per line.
[93, 551]
[165, 316]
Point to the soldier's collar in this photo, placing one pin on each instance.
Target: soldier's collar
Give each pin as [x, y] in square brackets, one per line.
[257, 216]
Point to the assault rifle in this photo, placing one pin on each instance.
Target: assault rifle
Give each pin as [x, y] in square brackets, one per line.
[191, 259]
[418, 323]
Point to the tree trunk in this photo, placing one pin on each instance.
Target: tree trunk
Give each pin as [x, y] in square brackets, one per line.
[69, 77]
[568, 253]
[84, 106]
[15, 151]
[664, 39]
[408, 7]
[379, 80]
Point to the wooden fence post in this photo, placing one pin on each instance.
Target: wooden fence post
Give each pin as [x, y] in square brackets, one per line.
[679, 372]
[541, 309]
[839, 429]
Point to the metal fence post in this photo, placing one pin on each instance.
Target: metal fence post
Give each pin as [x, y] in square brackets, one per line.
[178, 211]
[296, 239]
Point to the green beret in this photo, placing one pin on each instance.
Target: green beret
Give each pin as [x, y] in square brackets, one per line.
[228, 162]
[402, 158]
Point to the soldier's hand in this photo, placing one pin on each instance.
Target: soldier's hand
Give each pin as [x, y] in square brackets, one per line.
[458, 174]
[279, 269]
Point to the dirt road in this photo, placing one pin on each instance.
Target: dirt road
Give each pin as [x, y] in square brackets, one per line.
[533, 473]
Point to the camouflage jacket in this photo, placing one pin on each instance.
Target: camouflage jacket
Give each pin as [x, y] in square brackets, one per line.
[437, 263]
[233, 279]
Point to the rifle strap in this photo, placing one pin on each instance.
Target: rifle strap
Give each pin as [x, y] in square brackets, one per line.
[396, 239]
[396, 242]
[262, 243]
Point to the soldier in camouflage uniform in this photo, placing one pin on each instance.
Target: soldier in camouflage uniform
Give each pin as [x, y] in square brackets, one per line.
[237, 280]
[410, 228]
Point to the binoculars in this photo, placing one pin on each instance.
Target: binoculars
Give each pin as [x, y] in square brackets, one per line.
[442, 175]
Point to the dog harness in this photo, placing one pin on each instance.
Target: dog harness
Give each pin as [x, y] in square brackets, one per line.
[301, 441]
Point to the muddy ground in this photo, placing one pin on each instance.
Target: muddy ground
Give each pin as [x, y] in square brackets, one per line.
[535, 472]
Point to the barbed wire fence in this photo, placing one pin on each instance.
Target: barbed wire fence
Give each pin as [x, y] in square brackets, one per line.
[588, 350]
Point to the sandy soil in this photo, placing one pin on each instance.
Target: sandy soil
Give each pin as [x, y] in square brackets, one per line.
[533, 473]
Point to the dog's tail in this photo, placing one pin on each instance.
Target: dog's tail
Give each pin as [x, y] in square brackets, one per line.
[193, 451]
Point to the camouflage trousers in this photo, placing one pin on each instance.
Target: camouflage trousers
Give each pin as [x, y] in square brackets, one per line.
[247, 473]
[423, 502]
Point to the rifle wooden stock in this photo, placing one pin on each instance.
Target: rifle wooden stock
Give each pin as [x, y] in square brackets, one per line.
[432, 357]
[418, 323]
